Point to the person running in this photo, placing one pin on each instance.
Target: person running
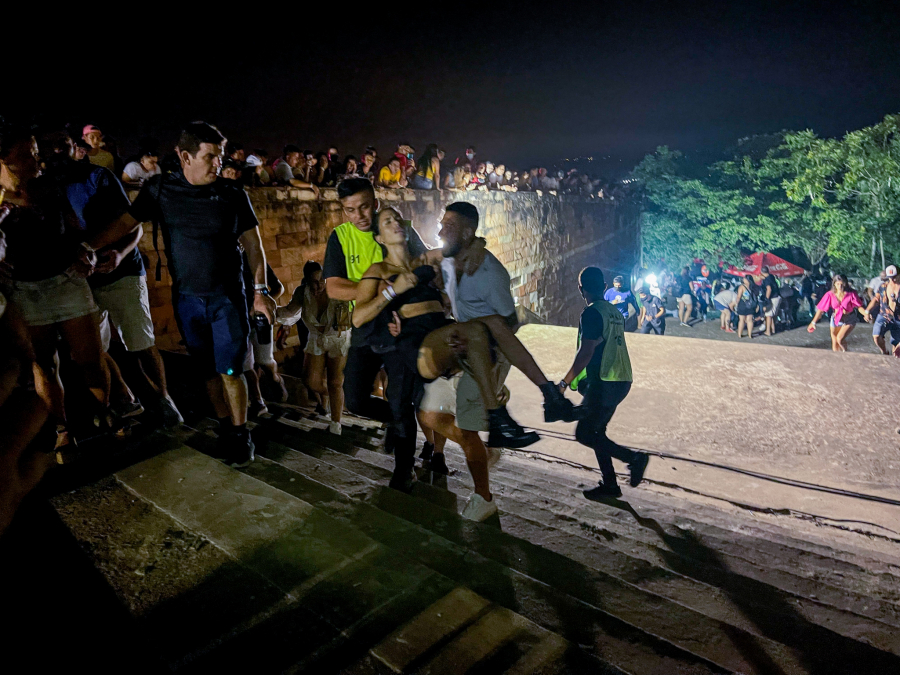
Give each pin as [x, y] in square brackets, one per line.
[601, 371]
[205, 221]
[745, 305]
[429, 345]
[843, 301]
[328, 322]
[723, 301]
[350, 251]
[888, 318]
[685, 299]
[653, 313]
[623, 299]
[772, 299]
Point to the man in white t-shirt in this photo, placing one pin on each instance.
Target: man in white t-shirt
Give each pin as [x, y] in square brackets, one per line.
[135, 173]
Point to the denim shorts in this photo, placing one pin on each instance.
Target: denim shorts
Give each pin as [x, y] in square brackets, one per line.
[216, 329]
[883, 325]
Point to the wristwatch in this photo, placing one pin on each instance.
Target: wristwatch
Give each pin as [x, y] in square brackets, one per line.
[563, 384]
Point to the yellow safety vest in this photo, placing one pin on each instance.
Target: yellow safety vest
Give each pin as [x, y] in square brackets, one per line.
[361, 250]
[615, 365]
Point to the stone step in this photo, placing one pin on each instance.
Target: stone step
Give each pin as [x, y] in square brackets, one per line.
[710, 638]
[229, 573]
[673, 565]
[624, 647]
[881, 573]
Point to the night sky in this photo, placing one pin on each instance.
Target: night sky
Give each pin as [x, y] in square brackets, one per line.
[529, 83]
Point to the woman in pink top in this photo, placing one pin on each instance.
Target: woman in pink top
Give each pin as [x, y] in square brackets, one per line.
[843, 300]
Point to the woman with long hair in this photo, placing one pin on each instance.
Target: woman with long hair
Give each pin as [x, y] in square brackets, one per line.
[428, 175]
[328, 322]
[745, 305]
[429, 345]
[843, 301]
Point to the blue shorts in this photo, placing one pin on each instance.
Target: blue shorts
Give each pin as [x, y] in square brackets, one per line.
[215, 328]
[719, 306]
[883, 325]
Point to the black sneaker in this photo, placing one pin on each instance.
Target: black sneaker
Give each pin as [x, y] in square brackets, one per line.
[637, 468]
[242, 450]
[556, 406]
[403, 479]
[320, 410]
[602, 492]
[438, 464]
[427, 451]
[505, 432]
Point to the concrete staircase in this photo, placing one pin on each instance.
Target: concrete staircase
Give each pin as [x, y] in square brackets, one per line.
[306, 562]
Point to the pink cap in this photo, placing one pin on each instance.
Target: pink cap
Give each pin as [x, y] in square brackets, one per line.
[88, 129]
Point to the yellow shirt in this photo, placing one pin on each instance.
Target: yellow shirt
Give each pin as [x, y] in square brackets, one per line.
[104, 159]
[385, 177]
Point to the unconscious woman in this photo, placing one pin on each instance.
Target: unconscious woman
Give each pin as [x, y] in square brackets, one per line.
[744, 305]
[328, 322]
[843, 301]
[403, 291]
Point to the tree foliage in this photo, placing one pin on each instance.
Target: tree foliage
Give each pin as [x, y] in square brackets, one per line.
[830, 197]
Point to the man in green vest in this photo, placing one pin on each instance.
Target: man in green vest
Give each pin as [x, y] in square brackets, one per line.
[602, 373]
[351, 249]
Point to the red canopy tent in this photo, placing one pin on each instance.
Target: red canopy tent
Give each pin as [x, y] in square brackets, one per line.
[753, 265]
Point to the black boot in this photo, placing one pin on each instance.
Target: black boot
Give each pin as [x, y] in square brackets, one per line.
[505, 432]
[404, 460]
[241, 447]
[603, 491]
[556, 406]
[438, 464]
[427, 451]
[637, 467]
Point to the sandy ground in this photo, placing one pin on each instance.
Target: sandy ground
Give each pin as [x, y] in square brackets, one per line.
[718, 409]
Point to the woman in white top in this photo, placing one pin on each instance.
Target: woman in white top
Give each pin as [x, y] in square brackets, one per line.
[326, 350]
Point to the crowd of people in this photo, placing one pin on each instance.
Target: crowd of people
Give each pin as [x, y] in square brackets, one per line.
[435, 326]
[760, 308]
[403, 168]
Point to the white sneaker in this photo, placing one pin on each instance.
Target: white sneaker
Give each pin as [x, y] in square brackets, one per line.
[493, 456]
[479, 509]
[335, 428]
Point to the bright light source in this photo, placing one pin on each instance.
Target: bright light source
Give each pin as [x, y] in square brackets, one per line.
[650, 279]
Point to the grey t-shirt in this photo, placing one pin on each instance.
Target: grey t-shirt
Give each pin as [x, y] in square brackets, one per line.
[481, 294]
[283, 172]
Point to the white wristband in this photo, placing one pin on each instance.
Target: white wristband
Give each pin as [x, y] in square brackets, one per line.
[386, 294]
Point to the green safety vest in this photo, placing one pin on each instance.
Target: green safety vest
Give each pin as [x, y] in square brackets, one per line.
[615, 366]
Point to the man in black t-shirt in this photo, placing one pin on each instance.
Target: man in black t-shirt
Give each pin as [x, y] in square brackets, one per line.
[203, 221]
[684, 296]
[342, 271]
[119, 282]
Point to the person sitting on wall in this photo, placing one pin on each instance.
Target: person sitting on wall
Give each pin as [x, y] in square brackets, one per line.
[391, 175]
[284, 169]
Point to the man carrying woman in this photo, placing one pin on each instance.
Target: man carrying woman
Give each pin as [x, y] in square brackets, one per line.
[423, 343]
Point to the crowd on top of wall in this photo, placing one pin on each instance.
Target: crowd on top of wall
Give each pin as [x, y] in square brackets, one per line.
[431, 170]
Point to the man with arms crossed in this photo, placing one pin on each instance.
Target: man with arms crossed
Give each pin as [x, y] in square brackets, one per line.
[204, 220]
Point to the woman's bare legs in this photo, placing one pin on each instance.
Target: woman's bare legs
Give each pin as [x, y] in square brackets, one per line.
[436, 356]
[315, 374]
[82, 336]
[513, 349]
[844, 331]
[335, 370]
[835, 346]
[49, 387]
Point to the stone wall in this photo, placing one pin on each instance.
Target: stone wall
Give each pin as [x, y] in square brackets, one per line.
[542, 239]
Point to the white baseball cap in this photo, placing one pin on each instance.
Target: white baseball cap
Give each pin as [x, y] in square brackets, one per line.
[891, 270]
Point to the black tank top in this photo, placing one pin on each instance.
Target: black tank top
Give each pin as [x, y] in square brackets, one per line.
[413, 330]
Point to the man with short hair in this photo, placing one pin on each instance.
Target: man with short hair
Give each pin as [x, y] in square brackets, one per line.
[284, 169]
[146, 166]
[205, 221]
[772, 299]
[653, 314]
[888, 319]
[97, 155]
[602, 372]
[623, 299]
[119, 281]
[684, 297]
[477, 291]
[350, 251]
